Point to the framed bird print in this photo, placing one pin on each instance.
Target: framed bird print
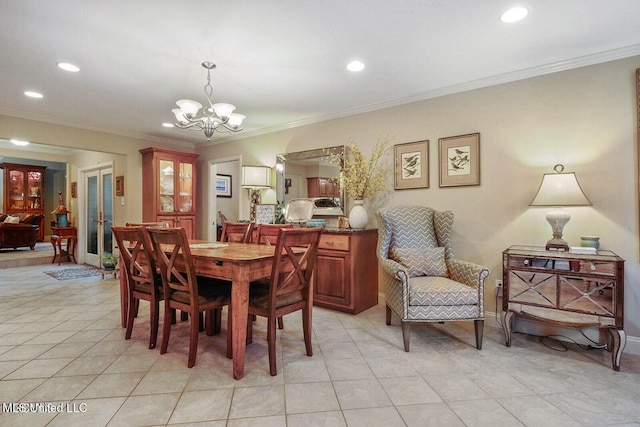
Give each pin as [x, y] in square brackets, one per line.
[411, 165]
[459, 160]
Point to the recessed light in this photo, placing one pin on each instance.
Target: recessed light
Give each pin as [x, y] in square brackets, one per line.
[19, 142]
[355, 66]
[167, 125]
[68, 67]
[514, 14]
[32, 94]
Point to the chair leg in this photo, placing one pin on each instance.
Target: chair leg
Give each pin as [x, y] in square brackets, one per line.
[306, 328]
[166, 329]
[200, 321]
[229, 334]
[479, 326]
[218, 323]
[137, 305]
[249, 339]
[388, 310]
[131, 316]
[271, 343]
[210, 322]
[155, 315]
[280, 323]
[406, 333]
[194, 328]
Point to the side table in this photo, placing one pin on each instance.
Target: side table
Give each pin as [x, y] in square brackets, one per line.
[565, 289]
[70, 234]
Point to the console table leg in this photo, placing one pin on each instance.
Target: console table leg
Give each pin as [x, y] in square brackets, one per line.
[618, 342]
[507, 324]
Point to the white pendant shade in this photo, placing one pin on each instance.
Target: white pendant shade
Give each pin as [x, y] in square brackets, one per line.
[223, 110]
[236, 120]
[189, 107]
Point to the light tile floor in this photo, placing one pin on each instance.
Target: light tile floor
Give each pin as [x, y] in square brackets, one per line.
[61, 342]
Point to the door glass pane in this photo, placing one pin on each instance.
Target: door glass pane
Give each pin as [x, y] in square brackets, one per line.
[92, 213]
[186, 187]
[35, 189]
[107, 208]
[166, 186]
[16, 189]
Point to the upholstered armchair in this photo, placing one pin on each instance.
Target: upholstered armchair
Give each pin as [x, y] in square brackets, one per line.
[421, 279]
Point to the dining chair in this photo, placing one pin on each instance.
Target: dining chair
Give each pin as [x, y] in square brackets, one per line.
[238, 232]
[143, 278]
[267, 234]
[184, 290]
[290, 289]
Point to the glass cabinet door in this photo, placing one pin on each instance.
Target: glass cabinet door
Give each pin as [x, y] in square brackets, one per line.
[16, 189]
[34, 184]
[166, 180]
[185, 183]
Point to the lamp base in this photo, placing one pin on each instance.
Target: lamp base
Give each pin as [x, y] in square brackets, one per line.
[557, 245]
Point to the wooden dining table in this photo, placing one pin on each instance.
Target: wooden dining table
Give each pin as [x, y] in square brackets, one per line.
[238, 263]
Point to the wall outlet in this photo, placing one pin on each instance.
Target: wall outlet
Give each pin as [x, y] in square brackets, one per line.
[499, 288]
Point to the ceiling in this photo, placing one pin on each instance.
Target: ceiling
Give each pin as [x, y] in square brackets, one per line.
[283, 63]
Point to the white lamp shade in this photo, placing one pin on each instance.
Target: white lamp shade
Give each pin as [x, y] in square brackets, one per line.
[189, 107]
[256, 176]
[223, 110]
[560, 189]
[236, 120]
[179, 115]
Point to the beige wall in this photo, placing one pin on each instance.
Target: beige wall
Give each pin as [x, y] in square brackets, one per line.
[583, 118]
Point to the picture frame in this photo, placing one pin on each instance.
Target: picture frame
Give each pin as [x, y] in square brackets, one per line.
[74, 190]
[223, 185]
[459, 160]
[265, 213]
[411, 166]
[120, 185]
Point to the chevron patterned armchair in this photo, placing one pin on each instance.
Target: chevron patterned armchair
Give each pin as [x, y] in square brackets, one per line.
[421, 279]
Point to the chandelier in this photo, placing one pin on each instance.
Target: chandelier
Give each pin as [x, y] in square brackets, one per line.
[217, 117]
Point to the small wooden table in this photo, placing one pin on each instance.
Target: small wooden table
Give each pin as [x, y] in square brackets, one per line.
[59, 234]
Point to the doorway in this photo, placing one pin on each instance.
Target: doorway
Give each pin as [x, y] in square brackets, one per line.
[229, 206]
[96, 219]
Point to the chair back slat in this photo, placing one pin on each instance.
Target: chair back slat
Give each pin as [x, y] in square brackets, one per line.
[138, 256]
[296, 248]
[268, 233]
[237, 232]
[160, 224]
[176, 263]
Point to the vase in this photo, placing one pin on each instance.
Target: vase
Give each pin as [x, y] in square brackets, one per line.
[358, 217]
[590, 241]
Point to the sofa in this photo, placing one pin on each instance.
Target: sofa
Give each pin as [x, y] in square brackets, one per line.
[21, 234]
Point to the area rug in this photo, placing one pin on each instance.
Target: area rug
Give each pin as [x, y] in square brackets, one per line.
[74, 272]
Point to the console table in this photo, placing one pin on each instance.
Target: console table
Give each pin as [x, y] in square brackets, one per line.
[565, 289]
[59, 234]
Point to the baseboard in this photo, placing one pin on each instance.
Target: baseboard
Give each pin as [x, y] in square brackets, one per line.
[534, 327]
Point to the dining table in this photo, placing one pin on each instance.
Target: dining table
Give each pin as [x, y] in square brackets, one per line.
[238, 263]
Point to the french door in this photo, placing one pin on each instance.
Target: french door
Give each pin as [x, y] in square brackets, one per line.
[98, 206]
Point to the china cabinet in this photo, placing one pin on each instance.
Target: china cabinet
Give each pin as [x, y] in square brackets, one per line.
[24, 191]
[322, 187]
[169, 187]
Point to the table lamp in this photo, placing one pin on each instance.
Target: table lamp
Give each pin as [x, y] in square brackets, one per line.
[61, 212]
[559, 189]
[255, 178]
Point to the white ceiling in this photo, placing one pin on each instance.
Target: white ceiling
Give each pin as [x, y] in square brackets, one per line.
[282, 63]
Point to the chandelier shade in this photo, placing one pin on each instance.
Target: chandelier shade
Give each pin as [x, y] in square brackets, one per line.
[218, 117]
